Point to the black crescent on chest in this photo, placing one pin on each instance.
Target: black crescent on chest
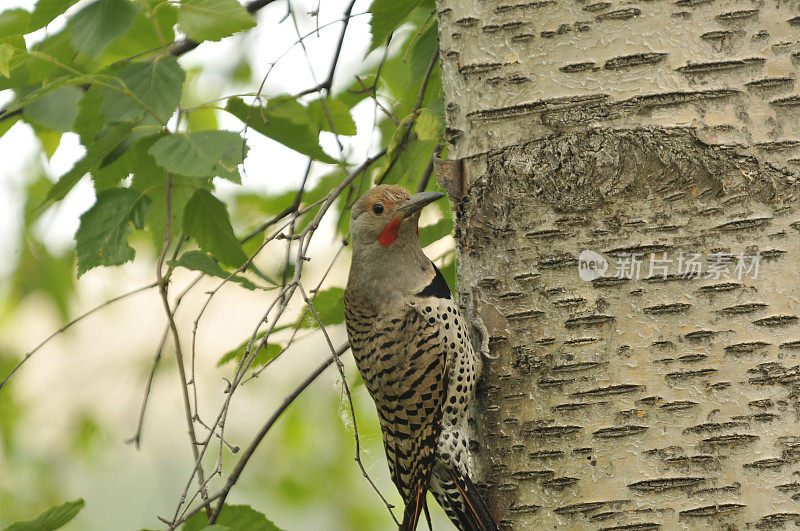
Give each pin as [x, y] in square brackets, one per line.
[437, 288]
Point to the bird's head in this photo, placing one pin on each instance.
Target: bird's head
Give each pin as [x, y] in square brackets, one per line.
[386, 216]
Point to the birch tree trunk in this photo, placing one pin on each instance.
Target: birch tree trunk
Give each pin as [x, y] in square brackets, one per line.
[655, 131]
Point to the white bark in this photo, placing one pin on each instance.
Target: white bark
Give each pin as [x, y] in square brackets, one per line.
[651, 127]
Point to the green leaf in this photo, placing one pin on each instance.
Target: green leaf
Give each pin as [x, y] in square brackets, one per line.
[46, 10]
[151, 179]
[388, 15]
[202, 262]
[329, 305]
[267, 353]
[50, 140]
[429, 127]
[58, 53]
[234, 517]
[95, 154]
[40, 272]
[212, 20]
[202, 119]
[343, 123]
[109, 175]
[196, 93]
[96, 25]
[355, 93]
[154, 86]
[50, 519]
[14, 22]
[55, 110]
[284, 120]
[422, 49]
[102, 237]
[89, 120]
[7, 52]
[201, 154]
[26, 98]
[435, 232]
[206, 220]
[410, 148]
[6, 124]
[145, 33]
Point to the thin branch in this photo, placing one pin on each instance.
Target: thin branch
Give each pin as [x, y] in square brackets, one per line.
[137, 436]
[69, 324]
[285, 295]
[253, 446]
[291, 209]
[162, 286]
[377, 102]
[426, 175]
[426, 78]
[326, 85]
[256, 373]
[414, 115]
[417, 35]
[220, 420]
[323, 101]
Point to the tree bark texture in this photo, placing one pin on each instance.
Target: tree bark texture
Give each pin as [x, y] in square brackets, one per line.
[653, 129]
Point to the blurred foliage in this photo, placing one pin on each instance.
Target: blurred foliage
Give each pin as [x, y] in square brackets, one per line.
[309, 470]
[112, 75]
[54, 518]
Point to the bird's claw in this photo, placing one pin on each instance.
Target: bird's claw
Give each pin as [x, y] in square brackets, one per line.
[478, 325]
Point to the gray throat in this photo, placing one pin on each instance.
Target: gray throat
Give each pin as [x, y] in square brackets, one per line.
[385, 277]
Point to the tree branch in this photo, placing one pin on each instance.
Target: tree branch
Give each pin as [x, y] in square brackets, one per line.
[69, 324]
[137, 436]
[162, 286]
[326, 85]
[251, 448]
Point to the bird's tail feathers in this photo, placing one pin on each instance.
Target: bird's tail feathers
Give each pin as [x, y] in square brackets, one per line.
[414, 508]
[472, 512]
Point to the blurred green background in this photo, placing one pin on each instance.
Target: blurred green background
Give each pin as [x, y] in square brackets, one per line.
[66, 414]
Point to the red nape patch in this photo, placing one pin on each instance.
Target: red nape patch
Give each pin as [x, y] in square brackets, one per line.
[389, 234]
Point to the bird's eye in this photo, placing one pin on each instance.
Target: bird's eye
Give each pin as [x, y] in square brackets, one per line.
[377, 208]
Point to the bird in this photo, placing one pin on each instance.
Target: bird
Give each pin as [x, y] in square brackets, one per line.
[412, 346]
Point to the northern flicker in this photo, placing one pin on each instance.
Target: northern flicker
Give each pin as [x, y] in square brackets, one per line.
[412, 347]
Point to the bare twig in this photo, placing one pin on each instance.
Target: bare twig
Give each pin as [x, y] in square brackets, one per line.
[378, 104]
[162, 286]
[326, 85]
[426, 78]
[291, 209]
[417, 34]
[254, 443]
[426, 175]
[414, 114]
[137, 436]
[285, 295]
[296, 328]
[69, 324]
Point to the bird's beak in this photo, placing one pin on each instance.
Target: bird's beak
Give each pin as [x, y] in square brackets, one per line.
[416, 202]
